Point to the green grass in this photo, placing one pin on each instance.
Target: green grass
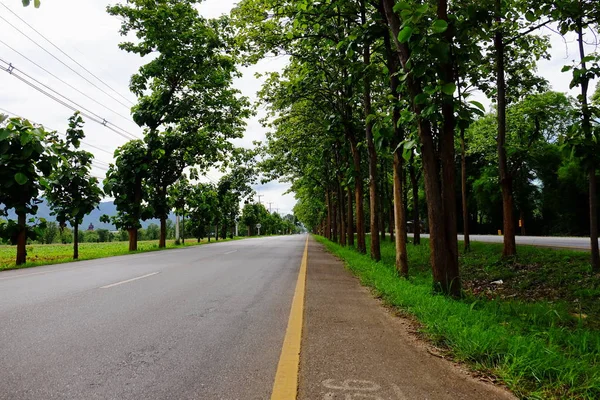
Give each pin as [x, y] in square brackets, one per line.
[45, 254]
[534, 345]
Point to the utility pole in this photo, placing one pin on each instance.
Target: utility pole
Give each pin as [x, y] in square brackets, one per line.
[270, 203]
[259, 196]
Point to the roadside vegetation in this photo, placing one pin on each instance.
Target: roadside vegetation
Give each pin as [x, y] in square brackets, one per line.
[46, 254]
[535, 332]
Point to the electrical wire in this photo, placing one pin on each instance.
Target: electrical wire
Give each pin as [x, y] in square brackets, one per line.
[58, 132]
[64, 82]
[63, 52]
[96, 119]
[12, 69]
[62, 62]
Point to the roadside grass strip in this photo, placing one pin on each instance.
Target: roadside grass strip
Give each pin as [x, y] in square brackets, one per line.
[47, 254]
[539, 350]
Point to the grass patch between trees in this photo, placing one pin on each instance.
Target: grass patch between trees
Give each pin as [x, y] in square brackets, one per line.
[533, 343]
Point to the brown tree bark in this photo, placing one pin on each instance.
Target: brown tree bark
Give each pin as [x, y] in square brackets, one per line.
[510, 247]
[414, 181]
[400, 216]
[358, 199]
[595, 256]
[463, 184]
[132, 238]
[162, 241]
[373, 200]
[22, 239]
[587, 128]
[334, 225]
[76, 241]
[439, 175]
[382, 202]
[328, 218]
[350, 219]
[342, 217]
[391, 224]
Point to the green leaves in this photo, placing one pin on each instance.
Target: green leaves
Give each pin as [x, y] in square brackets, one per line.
[449, 88]
[439, 26]
[405, 34]
[21, 178]
[36, 3]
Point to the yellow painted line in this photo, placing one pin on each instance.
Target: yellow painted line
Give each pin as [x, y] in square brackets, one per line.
[285, 386]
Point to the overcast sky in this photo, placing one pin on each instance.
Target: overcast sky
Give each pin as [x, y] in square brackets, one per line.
[84, 31]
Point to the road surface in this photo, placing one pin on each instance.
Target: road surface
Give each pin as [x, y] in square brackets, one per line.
[577, 243]
[205, 322]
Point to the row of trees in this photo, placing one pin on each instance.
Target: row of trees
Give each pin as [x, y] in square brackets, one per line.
[379, 93]
[189, 110]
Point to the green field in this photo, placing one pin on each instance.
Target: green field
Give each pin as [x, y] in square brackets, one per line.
[44, 254]
[536, 332]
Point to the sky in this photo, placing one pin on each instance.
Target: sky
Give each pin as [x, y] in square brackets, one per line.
[84, 31]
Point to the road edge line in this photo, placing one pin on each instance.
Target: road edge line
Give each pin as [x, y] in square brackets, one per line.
[285, 386]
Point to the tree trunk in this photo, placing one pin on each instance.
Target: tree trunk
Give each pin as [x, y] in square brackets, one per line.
[334, 226]
[76, 241]
[358, 198]
[216, 232]
[439, 179]
[132, 238]
[350, 219]
[182, 230]
[162, 241]
[463, 182]
[587, 128]
[373, 200]
[382, 201]
[400, 216]
[414, 180]
[342, 217]
[391, 224]
[22, 239]
[510, 247]
[328, 233]
[595, 259]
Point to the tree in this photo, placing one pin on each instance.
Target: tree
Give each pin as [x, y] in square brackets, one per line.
[50, 233]
[203, 205]
[188, 84]
[26, 160]
[72, 192]
[126, 182]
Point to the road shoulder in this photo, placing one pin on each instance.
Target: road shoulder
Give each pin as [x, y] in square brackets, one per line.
[354, 348]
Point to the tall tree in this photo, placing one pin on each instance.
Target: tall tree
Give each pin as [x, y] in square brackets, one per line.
[73, 192]
[26, 160]
[126, 181]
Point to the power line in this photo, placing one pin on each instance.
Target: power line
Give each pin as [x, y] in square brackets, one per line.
[62, 62]
[66, 83]
[12, 69]
[58, 132]
[97, 119]
[68, 56]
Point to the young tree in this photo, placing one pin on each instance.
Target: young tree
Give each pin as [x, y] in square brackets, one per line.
[126, 182]
[72, 192]
[26, 159]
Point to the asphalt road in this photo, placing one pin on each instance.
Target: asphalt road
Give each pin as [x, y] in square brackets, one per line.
[578, 243]
[204, 322]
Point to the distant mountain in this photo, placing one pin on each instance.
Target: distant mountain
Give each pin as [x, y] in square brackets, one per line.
[107, 207]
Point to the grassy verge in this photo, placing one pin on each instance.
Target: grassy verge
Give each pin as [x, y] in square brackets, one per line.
[45, 254]
[537, 347]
